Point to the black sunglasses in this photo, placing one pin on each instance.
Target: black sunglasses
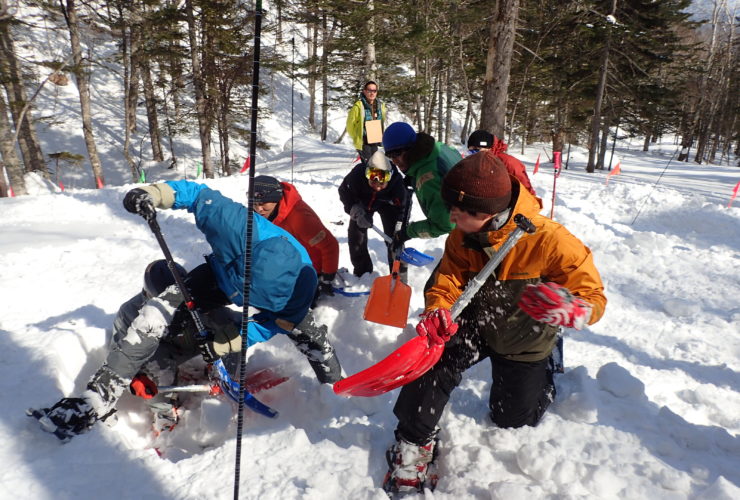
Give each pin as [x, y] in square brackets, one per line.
[395, 154]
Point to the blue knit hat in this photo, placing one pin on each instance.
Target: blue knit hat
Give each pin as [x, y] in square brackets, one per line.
[397, 136]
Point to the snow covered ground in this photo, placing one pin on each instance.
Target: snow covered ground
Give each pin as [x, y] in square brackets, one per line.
[647, 408]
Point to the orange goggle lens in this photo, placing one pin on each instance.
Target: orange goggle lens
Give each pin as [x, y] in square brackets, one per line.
[377, 175]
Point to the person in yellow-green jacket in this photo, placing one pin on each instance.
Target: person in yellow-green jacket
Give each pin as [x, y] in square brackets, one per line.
[368, 107]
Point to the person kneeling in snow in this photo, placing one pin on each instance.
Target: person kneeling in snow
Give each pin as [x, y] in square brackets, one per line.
[547, 281]
[281, 204]
[283, 284]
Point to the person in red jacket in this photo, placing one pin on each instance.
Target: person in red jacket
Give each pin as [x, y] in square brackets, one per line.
[481, 140]
[281, 204]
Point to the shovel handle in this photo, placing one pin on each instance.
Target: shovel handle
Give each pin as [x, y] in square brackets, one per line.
[387, 238]
[523, 225]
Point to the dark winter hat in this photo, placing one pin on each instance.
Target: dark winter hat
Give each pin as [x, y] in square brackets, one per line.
[398, 136]
[480, 139]
[267, 189]
[478, 183]
[157, 277]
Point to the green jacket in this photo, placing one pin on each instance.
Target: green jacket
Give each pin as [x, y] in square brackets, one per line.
[356, 121]
[434, 160]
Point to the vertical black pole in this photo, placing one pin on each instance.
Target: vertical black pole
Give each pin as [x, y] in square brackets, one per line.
[248, 244]
[292, 100]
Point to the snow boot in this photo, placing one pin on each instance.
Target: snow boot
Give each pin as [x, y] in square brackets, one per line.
[67, 418]
[311, 340]
[411, 467]
[166, 415]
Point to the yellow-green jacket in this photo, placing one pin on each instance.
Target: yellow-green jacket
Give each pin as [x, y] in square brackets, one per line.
[356, 121]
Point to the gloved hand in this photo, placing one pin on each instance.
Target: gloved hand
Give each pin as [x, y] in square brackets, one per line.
[437, 325]
[400, 237]
[358, 214]
[554, 304]
[137, 201]
[206, 348]
[326, 281]
[143, 386]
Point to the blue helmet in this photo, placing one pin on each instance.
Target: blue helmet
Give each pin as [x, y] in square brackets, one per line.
[397, 136]
[158, 277]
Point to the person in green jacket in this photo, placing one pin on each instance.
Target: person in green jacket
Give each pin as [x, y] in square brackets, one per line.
[424, 162]
[368, 107]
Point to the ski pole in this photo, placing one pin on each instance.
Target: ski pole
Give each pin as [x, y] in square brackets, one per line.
[556, 159]
[292, 105]
[523, 225]
[248, 244]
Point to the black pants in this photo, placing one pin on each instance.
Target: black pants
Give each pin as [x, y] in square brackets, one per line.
[520, 394]
[357, 240]
[367, 150]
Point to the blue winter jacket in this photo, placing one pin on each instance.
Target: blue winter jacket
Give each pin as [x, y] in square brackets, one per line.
[283, 280]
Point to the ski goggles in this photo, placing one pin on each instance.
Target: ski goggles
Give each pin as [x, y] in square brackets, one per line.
[377, 175]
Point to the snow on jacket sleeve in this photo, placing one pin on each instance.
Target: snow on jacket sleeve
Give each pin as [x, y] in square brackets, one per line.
[570, 263]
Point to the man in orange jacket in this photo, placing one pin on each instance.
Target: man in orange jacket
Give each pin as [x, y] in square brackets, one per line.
[546, 282]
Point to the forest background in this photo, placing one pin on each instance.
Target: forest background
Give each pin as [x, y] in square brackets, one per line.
[569, 72]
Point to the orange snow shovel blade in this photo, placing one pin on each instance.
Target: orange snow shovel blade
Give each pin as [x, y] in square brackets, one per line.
[389, 300]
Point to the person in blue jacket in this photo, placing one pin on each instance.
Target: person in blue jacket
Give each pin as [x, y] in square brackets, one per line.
[282, 286]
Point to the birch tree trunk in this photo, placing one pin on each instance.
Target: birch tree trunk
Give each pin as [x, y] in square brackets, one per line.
[126, 62]
[150, 101]
[82, 78]
[201, 104]
[498, 64]
[596, 117]
[11, 76]
[9, 158]
[312, 45]
[370, 63]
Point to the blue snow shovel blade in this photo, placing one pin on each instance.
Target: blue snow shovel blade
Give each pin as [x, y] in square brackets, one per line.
[415, 258]
[231, 389]
[346, 293]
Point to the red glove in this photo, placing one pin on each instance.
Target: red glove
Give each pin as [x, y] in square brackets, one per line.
[143, 386]
[553, 304]
[437, 325]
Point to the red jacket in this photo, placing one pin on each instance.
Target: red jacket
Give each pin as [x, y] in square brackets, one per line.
[295, 216]
[514, 166]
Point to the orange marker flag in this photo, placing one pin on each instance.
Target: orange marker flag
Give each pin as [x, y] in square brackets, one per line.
[536, 165]
[615, 171]
[734, 193]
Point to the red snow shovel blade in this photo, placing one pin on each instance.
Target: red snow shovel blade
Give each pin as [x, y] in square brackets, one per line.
[389, 300]
[404, 365]
[263, 379]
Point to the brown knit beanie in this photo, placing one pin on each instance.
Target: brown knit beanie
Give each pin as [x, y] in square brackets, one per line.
[478, 183]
